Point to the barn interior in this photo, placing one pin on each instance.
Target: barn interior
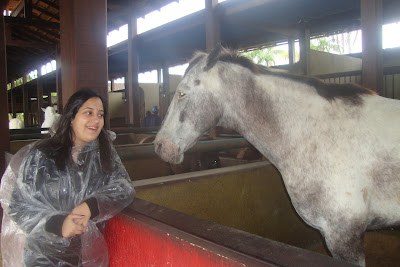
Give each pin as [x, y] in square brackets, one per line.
[71, 36]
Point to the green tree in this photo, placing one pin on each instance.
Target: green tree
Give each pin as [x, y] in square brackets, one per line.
[325, 45]
[266, 56]
[340, 43]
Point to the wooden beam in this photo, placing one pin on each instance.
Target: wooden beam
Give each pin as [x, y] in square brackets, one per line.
[51, 4]
[213, 32]
[4, 132]
[175, 27]
[60, 106]
[305, 50]
[47, 13]
[25, 104]
[372, 59]
[132, 88]
[244, 5]
[285, 31]
[84, 47]
[39, 95]
[18, 9]
[20, 43]
[28, 9]
[164, 95]
[292, 50]
[33, 22]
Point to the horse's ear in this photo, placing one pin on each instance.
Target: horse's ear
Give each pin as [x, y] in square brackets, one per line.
[44, 110]
[213, 56]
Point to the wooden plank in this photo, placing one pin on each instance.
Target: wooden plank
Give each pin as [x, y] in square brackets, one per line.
[4, 132]
[132, 94]
[372, 59]
[213, 32]
[83, 47]
[305, 50]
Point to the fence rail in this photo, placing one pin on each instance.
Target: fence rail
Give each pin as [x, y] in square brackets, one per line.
[391, 80]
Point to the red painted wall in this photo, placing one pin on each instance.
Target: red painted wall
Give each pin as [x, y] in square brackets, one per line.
[133, 242]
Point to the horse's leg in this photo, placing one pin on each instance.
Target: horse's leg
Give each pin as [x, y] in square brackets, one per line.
[346, 244]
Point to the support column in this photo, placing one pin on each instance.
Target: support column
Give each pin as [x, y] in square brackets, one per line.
[372, 61]
[159, 73]
[165, 92]
[83, 31]
[305, 50]
[59, 81]
[292, 50]
[4, 132]
[25, 103]
[13, 102]
[213, 36]
[132, 94]
[39, 95]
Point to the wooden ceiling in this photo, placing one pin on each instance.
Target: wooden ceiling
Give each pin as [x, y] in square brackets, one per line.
[33, 29]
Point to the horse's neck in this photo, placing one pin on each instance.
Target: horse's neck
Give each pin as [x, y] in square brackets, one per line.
[269, 115]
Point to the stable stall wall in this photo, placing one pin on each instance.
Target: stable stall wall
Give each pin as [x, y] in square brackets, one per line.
[249, 197]
[252, 198]
[174, 81]
[151, 95]
[146, 234]
[116, 105]
[326, 63]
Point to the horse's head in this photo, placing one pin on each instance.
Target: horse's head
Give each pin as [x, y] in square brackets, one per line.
[194, 110]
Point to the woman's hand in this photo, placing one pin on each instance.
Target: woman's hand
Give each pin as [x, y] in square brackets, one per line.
[70, 228]
[82, 209]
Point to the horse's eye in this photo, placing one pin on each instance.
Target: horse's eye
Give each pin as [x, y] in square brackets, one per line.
[181, 95]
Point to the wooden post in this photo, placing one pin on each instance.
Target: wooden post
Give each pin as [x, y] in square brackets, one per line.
[13, 102]
[39, 95]
[25, 104]
[83, 31]
[212, 25]
[292, 50]
[372, 62]
[159, 74]
[4, 132]
[164, 94]
[305, 50]
[132, 94]
[59, 81]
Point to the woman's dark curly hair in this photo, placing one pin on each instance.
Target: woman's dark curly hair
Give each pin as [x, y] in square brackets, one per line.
[58, 146]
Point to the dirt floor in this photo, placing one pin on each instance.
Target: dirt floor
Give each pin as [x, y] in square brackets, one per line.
[382, 248]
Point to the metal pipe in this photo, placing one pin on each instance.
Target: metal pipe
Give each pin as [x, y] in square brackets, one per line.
[34, 133]
[147, 151]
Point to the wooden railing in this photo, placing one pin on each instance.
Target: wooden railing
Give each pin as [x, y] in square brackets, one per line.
[391, 80]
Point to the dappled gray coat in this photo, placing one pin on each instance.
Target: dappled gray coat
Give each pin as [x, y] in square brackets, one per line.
[33, 191]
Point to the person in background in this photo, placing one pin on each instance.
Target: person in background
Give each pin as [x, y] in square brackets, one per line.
[58, 193]
[152, 119]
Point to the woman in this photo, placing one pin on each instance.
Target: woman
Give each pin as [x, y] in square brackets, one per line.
[57, 193]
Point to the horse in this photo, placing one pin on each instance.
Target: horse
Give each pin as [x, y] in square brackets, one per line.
[15, 123]
[337, 146]
[50, 117]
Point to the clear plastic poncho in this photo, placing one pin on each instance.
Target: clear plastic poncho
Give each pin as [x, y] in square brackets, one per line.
[33, 190]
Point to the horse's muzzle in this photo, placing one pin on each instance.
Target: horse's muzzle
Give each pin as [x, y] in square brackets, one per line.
[168, 151]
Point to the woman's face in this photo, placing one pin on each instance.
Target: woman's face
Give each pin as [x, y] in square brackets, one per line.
[88, 121]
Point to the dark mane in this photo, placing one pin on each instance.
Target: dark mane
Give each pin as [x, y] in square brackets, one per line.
[350, 93]
[193, 62]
